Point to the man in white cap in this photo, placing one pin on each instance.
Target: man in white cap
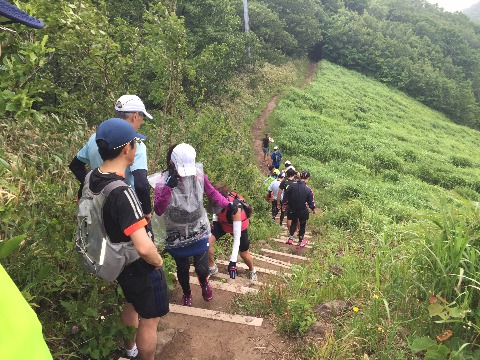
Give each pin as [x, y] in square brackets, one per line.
[131, 109]
[288, 165]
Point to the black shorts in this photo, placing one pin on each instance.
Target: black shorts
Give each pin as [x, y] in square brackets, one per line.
[218, 232]
[146, 291]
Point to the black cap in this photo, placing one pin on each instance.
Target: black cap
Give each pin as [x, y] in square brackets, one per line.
[16, 15]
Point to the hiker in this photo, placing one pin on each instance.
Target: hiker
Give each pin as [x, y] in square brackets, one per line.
[179, 198]
[276, 157]
[298, 196]
[224, 222]
[124, 221]
[131, 109]
[266, 146]
[287, 181]
[271, 176]
[273, 193]
[288, 165]
[20, 330]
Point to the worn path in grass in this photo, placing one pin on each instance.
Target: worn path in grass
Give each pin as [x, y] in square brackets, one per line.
[259, 126]
[212, 330]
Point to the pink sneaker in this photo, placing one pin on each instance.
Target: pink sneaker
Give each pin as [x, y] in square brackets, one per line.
[290, 240]
[207, 291]
[301, 243]
[186, 300]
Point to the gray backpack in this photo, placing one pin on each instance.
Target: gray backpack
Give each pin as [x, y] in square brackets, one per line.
[98, 254]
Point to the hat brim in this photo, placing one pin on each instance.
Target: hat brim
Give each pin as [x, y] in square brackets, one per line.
[15, 14]
[147, 115]
[187, 171]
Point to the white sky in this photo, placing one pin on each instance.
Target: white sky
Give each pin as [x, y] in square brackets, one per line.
[454, 5]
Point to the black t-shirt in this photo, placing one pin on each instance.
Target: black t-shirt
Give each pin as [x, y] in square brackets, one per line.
[285, 184]
[266, 142]
[122, 212]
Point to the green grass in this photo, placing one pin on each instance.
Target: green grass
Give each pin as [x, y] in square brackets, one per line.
[384, 169]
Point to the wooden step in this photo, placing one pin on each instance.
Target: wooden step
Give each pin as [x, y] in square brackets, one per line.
[269, 260]
[238, 289]
[284, 241]
[257, 269]
[215, 315]
[241, 281]
[293, 256]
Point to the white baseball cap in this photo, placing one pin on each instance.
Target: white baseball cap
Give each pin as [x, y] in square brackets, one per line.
[131, 103]
[183, 156]
[275, 148]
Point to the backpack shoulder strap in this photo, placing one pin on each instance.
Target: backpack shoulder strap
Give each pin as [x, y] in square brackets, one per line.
[112, 186]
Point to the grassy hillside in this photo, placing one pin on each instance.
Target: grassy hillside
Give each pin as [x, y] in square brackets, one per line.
[399, 185]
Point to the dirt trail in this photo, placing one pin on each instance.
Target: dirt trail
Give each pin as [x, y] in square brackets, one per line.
[193, 336]
[259, 126]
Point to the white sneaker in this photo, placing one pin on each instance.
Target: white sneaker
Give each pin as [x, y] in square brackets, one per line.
[252, 276]
[213, 270]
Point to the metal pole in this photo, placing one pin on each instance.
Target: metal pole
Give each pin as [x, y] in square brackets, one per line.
[245, 17]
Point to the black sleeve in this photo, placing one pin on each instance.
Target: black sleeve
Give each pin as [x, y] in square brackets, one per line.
[286, 195]
[142, 189]
[77, 167]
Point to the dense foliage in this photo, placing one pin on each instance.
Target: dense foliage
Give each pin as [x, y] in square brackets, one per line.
[173, 53]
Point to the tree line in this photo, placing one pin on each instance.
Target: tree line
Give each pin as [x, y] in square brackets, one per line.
[178, 54]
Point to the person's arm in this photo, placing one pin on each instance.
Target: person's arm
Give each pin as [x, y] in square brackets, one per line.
[213, 194]
[146, 248]
[78, 168]
[142, 189]
[162, 198]
[237, 232]
[279, 195]
[311, 199]
[286, 195]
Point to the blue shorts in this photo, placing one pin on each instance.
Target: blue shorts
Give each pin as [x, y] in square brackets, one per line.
[266, 151]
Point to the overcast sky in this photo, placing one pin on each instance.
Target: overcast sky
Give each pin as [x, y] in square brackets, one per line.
[454, 5]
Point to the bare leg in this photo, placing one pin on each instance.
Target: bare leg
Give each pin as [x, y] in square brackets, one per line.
[247, 259]
[211, 251]
[129, 317]
[147, 338]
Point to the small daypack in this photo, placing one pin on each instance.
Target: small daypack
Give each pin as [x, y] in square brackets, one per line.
[98, 254]
[276, 157]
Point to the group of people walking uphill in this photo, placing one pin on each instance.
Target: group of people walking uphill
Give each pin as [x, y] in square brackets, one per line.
[289, 194]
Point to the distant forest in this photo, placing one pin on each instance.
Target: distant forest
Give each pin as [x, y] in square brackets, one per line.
[177, 54]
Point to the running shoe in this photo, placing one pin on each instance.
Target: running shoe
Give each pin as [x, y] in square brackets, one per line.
[207, 292]
[302, 243]
[186, 300]
[132, 354]
[213, 270]
[290, 240]
[252, 276]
